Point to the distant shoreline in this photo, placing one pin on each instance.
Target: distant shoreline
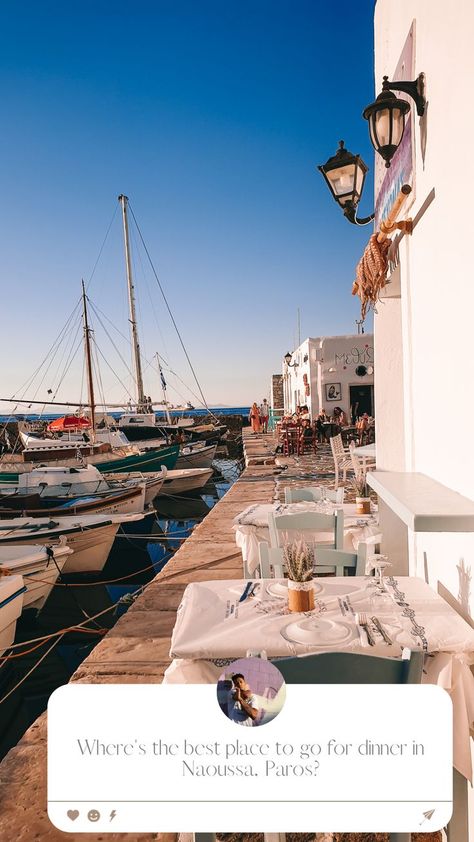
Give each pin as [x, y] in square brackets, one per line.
[215, 410]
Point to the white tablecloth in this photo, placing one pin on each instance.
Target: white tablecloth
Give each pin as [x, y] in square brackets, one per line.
[212, 624]
[251, 527]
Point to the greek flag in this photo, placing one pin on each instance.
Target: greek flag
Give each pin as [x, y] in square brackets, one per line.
[163, 381]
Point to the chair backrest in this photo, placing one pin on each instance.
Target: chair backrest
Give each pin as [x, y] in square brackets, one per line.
[357, 462]
[272, 563]
[308, 522]
[337, 446]
[313, 494]
[352, 668]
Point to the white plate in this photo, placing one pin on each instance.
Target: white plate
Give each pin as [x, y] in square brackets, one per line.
[281, 589]
[318, 632]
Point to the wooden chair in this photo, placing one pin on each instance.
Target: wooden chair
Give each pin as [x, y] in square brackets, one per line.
[272, 563]
[308, 522]
[360, 464]
[342, 459]
[313, 494]
[308, 443]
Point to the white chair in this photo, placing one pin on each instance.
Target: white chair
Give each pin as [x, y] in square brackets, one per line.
[313, 495]
[342, 458]
[360, 464]
[272, 563]
[308, 522]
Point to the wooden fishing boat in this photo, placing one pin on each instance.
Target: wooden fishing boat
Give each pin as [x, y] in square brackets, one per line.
[198, 455]
[40, 567]
[89, 536]
[12, 592]
[183, 481]
[112, 501]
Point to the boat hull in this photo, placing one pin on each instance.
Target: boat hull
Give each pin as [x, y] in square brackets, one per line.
[199, 458]
[91, 546]
[12, 592]
[39, 570]
[183, 481]
[146, 462]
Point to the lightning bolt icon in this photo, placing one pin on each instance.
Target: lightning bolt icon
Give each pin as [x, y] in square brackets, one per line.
[112, 815]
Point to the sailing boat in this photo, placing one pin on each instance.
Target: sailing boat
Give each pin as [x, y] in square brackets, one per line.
[142, 423]
[96, 450]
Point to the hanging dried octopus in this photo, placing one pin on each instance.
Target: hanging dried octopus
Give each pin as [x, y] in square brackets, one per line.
[371, 273]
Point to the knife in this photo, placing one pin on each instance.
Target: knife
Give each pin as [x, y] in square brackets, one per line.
[382, 631]
[246, 590]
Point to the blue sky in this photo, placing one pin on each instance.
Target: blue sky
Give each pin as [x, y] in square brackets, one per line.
[211, 116]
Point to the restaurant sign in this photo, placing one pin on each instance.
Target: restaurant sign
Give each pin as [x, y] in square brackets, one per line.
[388, 181]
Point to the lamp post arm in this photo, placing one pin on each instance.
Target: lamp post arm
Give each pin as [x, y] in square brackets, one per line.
[350, 213]
[415, 89]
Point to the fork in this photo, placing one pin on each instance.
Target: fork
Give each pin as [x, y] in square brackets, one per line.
[364, 622]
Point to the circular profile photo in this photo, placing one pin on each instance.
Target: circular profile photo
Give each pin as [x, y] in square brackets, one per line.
[251, 692]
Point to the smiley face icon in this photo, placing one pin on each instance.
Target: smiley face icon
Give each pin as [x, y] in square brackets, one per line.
[93, 815]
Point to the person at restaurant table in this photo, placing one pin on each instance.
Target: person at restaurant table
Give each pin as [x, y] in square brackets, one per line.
[320, 422]
[307, 433]
[304, 413]
[340, 417]
[362, 426]
[254, 418]
[264, 414]
[242, 706]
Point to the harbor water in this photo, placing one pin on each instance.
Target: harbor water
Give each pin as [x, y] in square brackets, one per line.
[136, 557]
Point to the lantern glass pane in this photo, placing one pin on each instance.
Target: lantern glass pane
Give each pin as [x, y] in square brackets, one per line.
[382, 126]
[359, 183]
[398, 118]
[342, 180]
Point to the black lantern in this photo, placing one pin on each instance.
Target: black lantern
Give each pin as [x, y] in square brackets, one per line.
[386, 116]
[344, 174]
[287, 359]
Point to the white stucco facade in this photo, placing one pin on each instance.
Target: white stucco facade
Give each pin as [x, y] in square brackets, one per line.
[424, 357]
[331, 371]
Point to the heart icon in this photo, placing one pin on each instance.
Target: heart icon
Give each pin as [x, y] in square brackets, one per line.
[72, 814]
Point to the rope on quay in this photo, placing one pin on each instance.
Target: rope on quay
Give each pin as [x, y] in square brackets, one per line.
[92, 584]
[77, 627]
[27, 675]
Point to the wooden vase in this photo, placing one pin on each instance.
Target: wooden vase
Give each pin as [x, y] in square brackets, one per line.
[300, 596]
[363, 505]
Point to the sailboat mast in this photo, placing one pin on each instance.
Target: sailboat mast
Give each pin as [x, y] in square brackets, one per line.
[131, 302]
[87, 344]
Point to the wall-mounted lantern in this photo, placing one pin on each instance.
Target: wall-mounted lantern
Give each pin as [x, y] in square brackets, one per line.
[344, 174]
[386, 116]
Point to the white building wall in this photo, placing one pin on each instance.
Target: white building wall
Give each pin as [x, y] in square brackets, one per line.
[325, 361]
[424, 343]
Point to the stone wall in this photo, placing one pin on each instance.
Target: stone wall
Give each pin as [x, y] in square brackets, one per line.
[276, 400]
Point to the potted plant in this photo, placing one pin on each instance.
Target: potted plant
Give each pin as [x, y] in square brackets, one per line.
[299, 559]
[362, 494]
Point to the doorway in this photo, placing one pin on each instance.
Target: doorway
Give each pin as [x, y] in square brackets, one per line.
[361, 400]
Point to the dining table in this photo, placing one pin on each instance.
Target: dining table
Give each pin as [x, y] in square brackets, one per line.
[251, 527]
[215, 626]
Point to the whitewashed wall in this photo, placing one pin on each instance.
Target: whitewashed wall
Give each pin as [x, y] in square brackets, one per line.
[326, 360]
[424, 342]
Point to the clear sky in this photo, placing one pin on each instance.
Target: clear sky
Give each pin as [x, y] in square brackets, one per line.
[211, 116]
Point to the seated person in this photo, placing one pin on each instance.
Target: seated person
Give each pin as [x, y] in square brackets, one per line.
[307, 432]
[339, 417]
[242, 706]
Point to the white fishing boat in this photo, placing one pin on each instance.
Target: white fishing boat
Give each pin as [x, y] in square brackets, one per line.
[12, 592]
[189, 479]
[40, 567]
[198, 455]
[152, 482]
[87, 480]
[89, 536]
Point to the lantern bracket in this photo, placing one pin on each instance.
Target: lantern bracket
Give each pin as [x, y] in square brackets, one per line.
[350, 210]
[414, 89]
